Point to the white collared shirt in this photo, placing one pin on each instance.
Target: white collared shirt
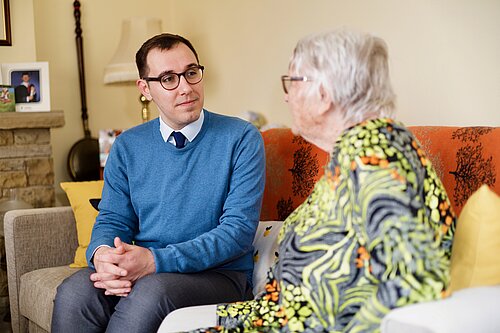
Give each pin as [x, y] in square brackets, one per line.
[190, 131]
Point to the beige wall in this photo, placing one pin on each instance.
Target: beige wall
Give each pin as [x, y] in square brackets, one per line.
[23, 34]
[444, 55]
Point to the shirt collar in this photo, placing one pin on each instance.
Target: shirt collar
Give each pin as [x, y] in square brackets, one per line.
[190, 131]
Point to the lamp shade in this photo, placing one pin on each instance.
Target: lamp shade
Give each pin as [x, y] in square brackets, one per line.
[135, 31]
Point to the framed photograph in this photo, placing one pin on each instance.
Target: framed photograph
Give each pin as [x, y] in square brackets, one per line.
[7, 100]
[31, 85]
[5, 36]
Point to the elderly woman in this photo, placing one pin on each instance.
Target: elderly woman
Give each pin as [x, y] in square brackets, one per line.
[376, 232]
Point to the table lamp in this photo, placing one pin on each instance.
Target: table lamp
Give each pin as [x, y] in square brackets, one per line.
[122, 67]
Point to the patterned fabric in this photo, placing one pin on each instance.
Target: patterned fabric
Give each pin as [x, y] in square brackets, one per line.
[265, 252]
[293, 166]
[464, 158]
[375, 234]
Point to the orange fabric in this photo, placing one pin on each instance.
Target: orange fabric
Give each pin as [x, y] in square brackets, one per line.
[464, 158]
[292, 168]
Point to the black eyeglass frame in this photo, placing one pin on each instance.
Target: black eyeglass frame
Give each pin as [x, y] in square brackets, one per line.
[158, 78]
[289, 79]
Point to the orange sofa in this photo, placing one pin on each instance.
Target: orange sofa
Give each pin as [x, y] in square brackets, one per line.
[464, 158]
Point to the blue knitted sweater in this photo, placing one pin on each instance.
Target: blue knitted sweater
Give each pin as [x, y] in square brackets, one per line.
[195, 208]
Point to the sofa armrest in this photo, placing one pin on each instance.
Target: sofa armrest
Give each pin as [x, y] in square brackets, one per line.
[468, 310]
[36, 238]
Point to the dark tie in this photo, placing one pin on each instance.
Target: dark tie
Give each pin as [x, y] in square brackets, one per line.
[179, 139]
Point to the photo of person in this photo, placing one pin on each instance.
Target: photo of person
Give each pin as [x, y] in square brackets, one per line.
[7, 103]
[27, 88]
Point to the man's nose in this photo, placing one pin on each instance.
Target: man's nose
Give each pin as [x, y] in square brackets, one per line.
[184, 86]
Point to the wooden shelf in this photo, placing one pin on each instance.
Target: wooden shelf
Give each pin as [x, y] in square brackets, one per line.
[10, 120]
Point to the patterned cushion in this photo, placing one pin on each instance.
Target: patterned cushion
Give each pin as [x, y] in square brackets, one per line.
[464, 158]
[265, 252]
[292, 168]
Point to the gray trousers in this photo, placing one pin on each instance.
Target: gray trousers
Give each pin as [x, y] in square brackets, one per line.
[80, 307]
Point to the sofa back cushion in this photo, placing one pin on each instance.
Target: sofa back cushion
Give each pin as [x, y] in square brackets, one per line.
[292, 168]
[464, 158]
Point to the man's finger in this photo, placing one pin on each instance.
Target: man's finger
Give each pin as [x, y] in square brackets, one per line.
[109, 269]
[119, 244]
[103, 277]
[114, 286]
[110, 258]
[117, 293]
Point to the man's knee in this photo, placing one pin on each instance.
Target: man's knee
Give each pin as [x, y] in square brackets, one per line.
[76, 286]
[79, 303]
[153, 289]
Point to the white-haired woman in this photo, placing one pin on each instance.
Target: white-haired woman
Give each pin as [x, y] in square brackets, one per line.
[376, 232]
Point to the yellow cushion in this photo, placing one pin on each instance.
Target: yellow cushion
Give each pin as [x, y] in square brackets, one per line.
[79, 194]
[476, 246]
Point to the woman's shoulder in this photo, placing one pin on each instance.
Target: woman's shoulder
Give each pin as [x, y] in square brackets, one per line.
[373, 132]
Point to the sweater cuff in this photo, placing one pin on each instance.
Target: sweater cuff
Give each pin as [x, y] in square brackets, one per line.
[165, 260]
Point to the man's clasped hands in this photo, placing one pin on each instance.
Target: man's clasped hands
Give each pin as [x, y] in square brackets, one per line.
[118, 268]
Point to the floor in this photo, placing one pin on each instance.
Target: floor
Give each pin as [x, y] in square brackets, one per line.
[5, 327]
[4, 317]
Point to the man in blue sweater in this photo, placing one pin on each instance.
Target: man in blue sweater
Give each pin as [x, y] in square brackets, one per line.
[179, 209]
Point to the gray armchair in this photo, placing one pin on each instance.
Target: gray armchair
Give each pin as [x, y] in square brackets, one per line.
[40, 244]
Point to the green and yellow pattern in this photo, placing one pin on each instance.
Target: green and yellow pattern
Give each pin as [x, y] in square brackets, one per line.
[375, 234]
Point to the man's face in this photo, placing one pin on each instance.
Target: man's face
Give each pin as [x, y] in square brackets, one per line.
[26, 78]
[181, 106]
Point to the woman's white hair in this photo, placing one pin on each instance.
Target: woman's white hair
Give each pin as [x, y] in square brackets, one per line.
[352, 68]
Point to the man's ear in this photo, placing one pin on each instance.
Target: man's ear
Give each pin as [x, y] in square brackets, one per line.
[144, 89]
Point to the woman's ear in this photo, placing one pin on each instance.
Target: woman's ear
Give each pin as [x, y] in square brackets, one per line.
[144, 89]
[325, 101]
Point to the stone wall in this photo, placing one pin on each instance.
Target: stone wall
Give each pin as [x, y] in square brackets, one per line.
[26, 163]
[26, 155]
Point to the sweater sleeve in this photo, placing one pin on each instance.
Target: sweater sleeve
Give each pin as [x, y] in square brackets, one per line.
[233, 236]
[116, 214]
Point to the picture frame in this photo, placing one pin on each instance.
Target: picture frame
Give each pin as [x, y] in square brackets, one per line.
[34, 94]
[5, 32]
[7, 100]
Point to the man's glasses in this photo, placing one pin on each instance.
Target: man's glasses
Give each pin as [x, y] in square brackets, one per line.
[171, 81]
[287, 81]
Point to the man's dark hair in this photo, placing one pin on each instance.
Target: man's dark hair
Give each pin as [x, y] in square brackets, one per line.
[164, 41]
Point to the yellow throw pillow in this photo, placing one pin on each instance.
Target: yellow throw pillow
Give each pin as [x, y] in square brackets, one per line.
[79, 194]
[476, 245]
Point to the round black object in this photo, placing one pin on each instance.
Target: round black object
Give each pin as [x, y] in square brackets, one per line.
[83, 160]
